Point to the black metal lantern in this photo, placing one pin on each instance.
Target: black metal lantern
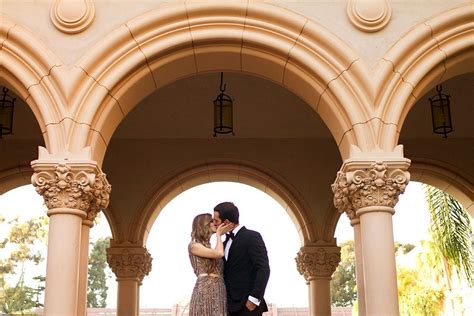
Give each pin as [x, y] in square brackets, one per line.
[223, 112]
[7, 103]
[441, 113]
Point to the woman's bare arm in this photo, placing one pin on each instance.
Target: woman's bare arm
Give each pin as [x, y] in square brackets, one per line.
[200, 250]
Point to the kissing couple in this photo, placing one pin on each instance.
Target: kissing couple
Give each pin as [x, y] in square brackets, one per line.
[232, 276]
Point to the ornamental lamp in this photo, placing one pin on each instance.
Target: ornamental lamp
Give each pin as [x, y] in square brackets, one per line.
[223, 112]
[7, 103]
[441, 113]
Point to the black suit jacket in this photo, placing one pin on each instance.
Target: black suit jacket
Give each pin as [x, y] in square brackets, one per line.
[246, 270]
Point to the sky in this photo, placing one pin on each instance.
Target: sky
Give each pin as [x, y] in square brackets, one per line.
[171, 280]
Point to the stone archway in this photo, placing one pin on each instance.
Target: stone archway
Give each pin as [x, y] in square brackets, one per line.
[233, 171]
[168, 239]
[36, 75]
[187, 39]
[363, 109]
[431, 53]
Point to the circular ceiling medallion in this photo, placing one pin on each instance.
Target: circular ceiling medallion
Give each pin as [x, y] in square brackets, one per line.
[369, 15]
[72, 16]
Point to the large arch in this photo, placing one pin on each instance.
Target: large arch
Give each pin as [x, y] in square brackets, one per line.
[232, 171]
[432, 52]
[187, 39]
[36, 75]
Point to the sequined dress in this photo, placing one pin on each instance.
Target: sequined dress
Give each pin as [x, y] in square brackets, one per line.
[209, 297]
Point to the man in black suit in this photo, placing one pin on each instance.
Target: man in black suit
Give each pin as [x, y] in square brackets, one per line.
[246, 269]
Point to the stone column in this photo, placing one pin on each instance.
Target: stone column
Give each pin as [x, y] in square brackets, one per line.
[371, 189]
[355, 222]
[317, 263]
[87, 224]
[70, 190]
[130, 263]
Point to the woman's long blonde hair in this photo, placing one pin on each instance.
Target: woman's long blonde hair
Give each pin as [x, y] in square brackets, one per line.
[201, 231]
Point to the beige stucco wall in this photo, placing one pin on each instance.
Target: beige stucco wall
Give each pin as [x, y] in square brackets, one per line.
[370, 46]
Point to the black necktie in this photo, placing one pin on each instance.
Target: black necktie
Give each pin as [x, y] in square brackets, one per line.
[229, 236]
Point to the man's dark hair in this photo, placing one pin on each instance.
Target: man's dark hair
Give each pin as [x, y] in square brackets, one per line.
[227, 210]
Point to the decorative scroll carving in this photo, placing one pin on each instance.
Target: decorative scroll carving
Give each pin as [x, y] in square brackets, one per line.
[375, 186]
[101, 195]
[317, 262]
[341, 191]
[66, 186]
[129, 263]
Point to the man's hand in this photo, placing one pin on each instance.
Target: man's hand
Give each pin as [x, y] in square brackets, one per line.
[250, 306]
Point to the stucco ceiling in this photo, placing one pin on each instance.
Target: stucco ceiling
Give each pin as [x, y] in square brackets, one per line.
[461, 89]
[184, 109]
[263, 109]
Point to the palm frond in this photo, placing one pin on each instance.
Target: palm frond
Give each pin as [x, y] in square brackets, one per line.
[451, 231]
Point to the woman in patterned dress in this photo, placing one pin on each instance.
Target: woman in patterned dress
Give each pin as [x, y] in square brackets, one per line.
[209, 297]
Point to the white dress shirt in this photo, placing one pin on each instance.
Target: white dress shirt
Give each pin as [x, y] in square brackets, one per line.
[229, 242]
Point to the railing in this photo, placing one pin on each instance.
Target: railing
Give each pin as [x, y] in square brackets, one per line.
[273, 310]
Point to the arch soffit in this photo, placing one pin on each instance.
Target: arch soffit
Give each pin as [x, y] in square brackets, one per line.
[14, 178]
[210, 172]
[432, 52]
[186, 39]
[445, 178]
[36, 75]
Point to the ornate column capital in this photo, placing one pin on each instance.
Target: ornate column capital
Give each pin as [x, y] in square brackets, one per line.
[65, 182]
[129, 262]
[315, 261]
[367, 183]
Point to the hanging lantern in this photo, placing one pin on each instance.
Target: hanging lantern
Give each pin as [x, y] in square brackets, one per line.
[7, 103]
[441, 113]
[223, 112]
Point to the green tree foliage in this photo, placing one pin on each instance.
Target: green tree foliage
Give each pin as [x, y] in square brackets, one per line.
[416, 296]
[419, 288]
[403, 248]
[451, 234]
[451, 231]
[448, 252]
[20, 249]
[343, 284]
[97, 282]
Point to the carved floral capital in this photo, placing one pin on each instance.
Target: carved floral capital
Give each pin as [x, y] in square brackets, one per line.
[377, 185]
[129, 263]
[64, 185]
[318, 262]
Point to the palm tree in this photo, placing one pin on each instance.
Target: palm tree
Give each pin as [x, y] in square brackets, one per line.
[451, 232]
